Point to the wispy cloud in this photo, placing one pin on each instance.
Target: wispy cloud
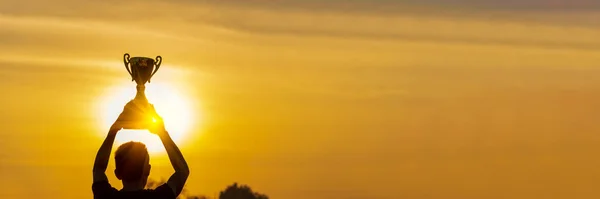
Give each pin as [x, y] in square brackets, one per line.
[191, 22]
[517, 4]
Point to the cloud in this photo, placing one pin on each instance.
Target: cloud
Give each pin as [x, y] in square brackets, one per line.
[427, 21]
[403, 27]
[517, 4]
[76, 42]
[355, 5]
[212, 31]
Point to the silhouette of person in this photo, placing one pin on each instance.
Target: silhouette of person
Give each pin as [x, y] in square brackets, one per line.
[133, 166]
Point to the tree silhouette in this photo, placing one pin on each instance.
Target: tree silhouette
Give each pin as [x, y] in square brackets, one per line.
[234, 191]
[240, 192]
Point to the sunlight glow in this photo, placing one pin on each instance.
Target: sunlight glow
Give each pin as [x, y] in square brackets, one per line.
[171, 104]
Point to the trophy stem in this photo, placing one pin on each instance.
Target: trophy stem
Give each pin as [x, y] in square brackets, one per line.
[141, 95]
[135, 114]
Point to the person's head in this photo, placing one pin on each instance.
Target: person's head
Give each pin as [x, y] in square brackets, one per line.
[132, 164]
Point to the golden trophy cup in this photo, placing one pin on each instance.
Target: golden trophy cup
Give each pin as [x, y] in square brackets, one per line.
[136, 114]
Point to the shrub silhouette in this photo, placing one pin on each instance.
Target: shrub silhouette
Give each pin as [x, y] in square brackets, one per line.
[234, 191]
[240, 192]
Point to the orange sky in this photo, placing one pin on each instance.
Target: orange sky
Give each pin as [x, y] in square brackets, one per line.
[375, 100]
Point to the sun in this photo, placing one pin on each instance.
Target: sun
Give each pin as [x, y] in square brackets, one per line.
[170, 104]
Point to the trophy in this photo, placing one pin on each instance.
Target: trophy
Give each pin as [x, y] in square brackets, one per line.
[136, 114]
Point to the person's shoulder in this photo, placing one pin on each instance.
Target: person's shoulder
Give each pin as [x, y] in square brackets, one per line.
[102, 189]
[102, 185]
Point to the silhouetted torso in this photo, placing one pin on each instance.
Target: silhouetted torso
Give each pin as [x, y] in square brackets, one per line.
[103, 190]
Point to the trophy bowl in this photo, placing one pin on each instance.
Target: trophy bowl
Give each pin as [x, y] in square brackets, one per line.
[141, 69]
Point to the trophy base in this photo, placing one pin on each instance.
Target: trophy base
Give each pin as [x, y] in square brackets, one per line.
[136, 115]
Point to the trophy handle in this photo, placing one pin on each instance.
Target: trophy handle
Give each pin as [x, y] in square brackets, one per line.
[157, 64]
[126, 61]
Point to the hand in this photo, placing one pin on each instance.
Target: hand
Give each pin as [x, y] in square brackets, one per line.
[157, 126]
[116, 126]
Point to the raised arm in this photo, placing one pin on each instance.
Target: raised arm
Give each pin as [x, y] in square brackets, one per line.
[101, 162]
[178, 179]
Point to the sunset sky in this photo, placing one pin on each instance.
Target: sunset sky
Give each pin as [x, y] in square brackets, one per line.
[299, 99]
